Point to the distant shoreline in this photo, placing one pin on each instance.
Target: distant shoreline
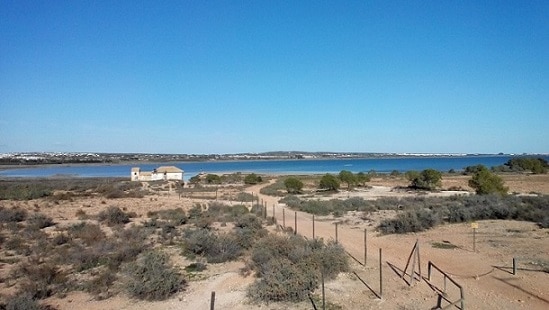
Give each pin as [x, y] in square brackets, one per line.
[254, 159]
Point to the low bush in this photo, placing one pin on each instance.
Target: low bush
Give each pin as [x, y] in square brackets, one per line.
[410, 221]
[101, 284]
[22, 301]
[244, 197]
[42, 280]
[113, 216]
[196, 267]
[152, 277]
[25, 190]
[290, 267]
[88, 233]
[15, 214]
[176, 217]
[276, 189]
[40, 220]
[216, 248]
[423, 213]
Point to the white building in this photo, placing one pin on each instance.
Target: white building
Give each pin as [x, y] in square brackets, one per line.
[161, 173]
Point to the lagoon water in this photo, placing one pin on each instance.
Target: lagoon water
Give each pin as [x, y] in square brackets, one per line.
[301, 166]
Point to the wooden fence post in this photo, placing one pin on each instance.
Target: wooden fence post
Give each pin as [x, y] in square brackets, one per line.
[380, 274]
[295, 223]
[323, 293]
[365, 246]
[212, 301]
[313, 226]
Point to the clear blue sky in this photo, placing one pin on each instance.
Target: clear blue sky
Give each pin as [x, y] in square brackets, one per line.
[253, 76]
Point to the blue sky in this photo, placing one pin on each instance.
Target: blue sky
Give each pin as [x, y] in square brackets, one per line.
[254, 76]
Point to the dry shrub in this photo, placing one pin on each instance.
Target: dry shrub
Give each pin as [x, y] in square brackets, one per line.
[42, 280]
[290, 267]
[40, 220]
[113, 216]
[215, 248]
[152, 277]
[22, 301]
[101, 283]
[15, 214]
[88, 233]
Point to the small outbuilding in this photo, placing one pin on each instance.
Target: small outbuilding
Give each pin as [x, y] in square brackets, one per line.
[158, 174]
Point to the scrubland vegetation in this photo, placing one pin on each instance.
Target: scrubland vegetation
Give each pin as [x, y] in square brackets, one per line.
[116, 252]
[113, 251]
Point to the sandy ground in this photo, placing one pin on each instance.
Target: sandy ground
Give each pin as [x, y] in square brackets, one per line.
[485, 274]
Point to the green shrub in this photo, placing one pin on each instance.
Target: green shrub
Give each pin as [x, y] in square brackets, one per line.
[252, 178]
[152, 277]
[410, 221]
[23, 190]
[244, 197]
[282, 280]
[329, 182]
[195, 267]
[278, 188]
[238, 210]
[249, 221]
[290, 267]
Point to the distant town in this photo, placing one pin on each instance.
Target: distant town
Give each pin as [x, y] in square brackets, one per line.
[39, 158]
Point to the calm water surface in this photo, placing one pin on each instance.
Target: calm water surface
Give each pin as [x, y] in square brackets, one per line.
[303, 166]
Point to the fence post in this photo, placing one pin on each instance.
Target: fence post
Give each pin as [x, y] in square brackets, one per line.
[514, 266]
[365, 246]
[474, 239]
[313, 226]
[273, 213]
[380, 274]
[323, 294]
[283, 217]
[212, 301]
[336, 232]
[295, 222]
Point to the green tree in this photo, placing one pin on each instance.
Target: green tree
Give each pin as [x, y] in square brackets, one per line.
[411, 175]
[348, 177]
[293, 185]
[253, 178]
[213, 179]
[485, 182]
[428, 179]
[195, 179]
[535, 165]
[362, 178]
[473, 169]
[329, 182]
